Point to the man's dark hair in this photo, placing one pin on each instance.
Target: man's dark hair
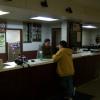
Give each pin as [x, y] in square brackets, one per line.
[47, 40]
[63, 44]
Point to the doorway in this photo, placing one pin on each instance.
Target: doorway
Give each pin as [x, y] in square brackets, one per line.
[14, 45]
[56, 38]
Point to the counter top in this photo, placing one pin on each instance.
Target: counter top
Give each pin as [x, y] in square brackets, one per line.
[31, 63]
[85, 53]
[36, 62]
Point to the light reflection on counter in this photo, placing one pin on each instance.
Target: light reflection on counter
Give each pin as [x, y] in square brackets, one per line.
[10, 65]
[36, 62]
[82, 54]
[31, 63]
[39, 62]
[85, 53]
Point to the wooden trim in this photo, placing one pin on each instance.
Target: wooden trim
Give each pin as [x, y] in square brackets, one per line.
[30, 54]
[3, 56]
[21, 41]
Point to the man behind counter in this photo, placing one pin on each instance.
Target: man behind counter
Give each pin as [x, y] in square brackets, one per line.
[47, 49]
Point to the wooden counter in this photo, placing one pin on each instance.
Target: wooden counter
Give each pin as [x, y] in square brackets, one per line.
[29, 82]
[39, 80]
[86, 68]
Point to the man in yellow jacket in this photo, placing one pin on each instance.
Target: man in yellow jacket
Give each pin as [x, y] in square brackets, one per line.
[65, 69]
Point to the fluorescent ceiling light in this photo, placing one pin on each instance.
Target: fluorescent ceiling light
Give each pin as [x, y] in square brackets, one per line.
[44, 18]
[89, 26]
[3, 12]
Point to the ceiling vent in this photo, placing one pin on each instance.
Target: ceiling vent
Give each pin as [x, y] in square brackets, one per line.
[8, 0]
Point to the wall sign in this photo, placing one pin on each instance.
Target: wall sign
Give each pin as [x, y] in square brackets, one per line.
[2, 39]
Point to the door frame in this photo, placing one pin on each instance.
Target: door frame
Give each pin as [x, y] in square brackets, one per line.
[54, 35]
[21, 41]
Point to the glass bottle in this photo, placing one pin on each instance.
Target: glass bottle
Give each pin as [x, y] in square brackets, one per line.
[40, 54]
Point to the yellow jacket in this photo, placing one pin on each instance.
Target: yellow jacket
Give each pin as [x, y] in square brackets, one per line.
[64, 62]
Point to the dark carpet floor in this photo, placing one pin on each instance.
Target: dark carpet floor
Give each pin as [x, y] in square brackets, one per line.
[78, 96]
[82, 96]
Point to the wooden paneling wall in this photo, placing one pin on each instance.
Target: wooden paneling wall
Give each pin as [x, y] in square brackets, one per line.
[3, 56]
[30, 54]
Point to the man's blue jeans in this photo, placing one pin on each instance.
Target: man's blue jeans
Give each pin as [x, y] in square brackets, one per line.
[67, 86]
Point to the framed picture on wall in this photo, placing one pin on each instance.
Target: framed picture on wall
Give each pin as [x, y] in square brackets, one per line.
[36, 32]
[32, 32]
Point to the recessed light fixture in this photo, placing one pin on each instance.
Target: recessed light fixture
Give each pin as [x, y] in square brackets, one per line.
[89, 26]
[44, 18]
[3, 12]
